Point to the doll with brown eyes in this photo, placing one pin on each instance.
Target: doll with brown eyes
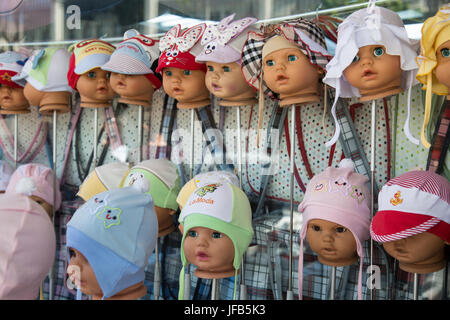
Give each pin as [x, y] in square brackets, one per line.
[375, 73]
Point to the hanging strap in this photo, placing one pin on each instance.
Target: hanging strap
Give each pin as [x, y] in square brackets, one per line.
[70, 131]
[164, 149]
[440, 141]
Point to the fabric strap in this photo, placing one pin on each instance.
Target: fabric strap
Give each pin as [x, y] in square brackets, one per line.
[440, 141]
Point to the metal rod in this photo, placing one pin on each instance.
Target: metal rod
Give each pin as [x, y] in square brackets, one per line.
[94, 161]
[416, 286]
[372, 182]
[52, 270]
[140, 132]
[16, 126]
[192, 143]
[215, 289]
[290, 295]
[333, 283]
[157, 275]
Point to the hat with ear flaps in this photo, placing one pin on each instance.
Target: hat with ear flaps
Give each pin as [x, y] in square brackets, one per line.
[371, 26]
[11, 64]
[299, 33]
[435, 32]
[339, 195]
[222, 207]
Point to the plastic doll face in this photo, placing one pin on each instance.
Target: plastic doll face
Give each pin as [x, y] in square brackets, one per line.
[12, 98]
[225, 80]
[94, 85]
[185, 85]
[209, 249]
[418, 252]
[442, 70]
[334, 244]
[131, 85]
[86, 278]
[373, 70]
[288, 71]
[47, 207]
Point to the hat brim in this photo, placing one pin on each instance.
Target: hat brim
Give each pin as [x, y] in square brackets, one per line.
[91, 62]
[125, 64]
[390, 225]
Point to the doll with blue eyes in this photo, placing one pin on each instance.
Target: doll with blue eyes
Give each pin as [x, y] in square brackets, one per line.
[183, 78]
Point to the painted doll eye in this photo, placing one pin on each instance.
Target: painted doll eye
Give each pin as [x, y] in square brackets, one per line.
[445, 52]
[356, 58]
[315, 227]
[292, 57]
[210, 68]
[91, 74]
[72, 253]
[226, 69]
[217, 235]
[187, 72]
[192, 233]
[270, 63]
[341, 229]
[168, 73]
[378, 51]
[108, 75]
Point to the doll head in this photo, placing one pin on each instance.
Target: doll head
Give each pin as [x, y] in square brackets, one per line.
[164, 180]
[27, 249]
[12, 100]
[434, 60]
[6, 172]
[216, 217]
[85, 74]
[371, 41]
[336, 217]
[222, 46]
[36, 181]
[109, 240]
[413, 220]
[133, 69]
[106, 177]
[183, 78]
[46, 75]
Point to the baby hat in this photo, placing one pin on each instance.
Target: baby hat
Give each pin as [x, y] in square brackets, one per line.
[164, 180]
[413, 203]
[5, 174]
[371, 26]
[136, 55]
[34, 179]
[87, 55]
[27, 247]
[46, 70]
[203, 179]
[11, 64]
[222, 207]
[105, 177]
[223, 42]
[435, 32]
[339, 195]
[116, 231]
[179, 49]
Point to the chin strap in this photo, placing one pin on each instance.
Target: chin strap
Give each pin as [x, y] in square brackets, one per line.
[426, 118]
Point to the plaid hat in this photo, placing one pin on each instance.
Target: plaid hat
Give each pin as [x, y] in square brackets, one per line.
[223, 42]
[11, 64]
[435, 31]
[370, 26]
[87, 55]
[339, 195]
[5, 174]
[222, 207]
[34, 179]
[116, 231]
[136, 54]
[164, 180]
[27, 247]
[410, 204]
[178, 49]
[106, 177]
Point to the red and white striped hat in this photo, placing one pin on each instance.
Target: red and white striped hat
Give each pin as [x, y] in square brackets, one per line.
[413, 203]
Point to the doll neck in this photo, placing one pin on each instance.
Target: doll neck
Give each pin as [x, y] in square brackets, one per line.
[54, 101]
[165, 221]
[340, 263]
[194, 104]
[305, 96]
[16, 110]
[92, 103]
[134, 292]
[423, 268]
[208, 274]
[244, 99]
[368, 95]
[136, 101]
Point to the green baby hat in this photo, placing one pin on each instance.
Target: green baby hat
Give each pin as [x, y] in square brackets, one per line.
[223, 207]
[162, 174]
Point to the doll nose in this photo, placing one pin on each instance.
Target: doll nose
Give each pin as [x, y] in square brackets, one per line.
[4, 90]
[280, 66]
[202, 241]
[327, 237]
[366, 61]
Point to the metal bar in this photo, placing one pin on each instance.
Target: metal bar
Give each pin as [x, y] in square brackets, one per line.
[52, 270]
[372, 182]
[215, 289]
[290, 295]
[157, 274]
[192, 143]
[94, 161]
[140, 132]
[16, 130]
[416, 286]
[333, 283]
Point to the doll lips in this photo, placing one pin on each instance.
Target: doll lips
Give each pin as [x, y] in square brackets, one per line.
[281, 79]
[216, 87]
[369, 74]
[327, 251]
[120, 85]
[177, 90]
[202, 256]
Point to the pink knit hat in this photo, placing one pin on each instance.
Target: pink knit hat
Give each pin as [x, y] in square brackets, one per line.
[27, 247]
[413, 203]
[35, 179]
[339, 195]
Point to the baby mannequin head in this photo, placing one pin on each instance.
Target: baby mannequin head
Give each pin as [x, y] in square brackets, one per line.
[336, 217]
[413, 220]
[133, 69]
[222, 46]
[212, 224]
[36, 181]
[164, 180]
[183, 78]
[109, 240]
[85, 74]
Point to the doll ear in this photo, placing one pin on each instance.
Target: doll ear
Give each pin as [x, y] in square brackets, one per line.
[130, 34]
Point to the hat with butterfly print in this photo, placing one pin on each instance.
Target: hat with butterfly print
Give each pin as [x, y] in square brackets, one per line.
[223, 42]
[179, 49]
[137, 54]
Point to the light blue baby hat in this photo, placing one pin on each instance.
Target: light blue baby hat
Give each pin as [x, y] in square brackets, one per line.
[116, 231]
